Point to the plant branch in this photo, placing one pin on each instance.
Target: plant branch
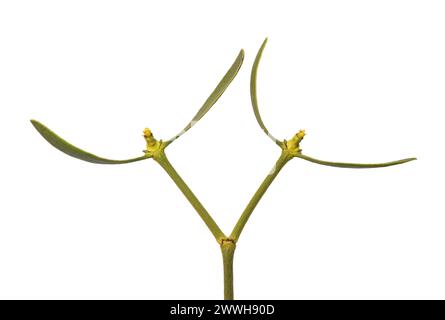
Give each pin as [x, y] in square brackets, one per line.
[228, 250]
[282, 160]
[161, 158]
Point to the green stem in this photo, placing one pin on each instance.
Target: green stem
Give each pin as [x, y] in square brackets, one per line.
[282, 160]
[228, 250]
[161, 158]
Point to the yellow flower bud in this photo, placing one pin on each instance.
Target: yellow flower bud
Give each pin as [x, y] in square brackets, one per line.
[293, 145]
[300, 135]
[147, 133]
[152, 143]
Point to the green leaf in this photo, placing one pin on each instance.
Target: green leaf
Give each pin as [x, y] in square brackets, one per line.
[354, 165]
[74, 151]
[215, 95]
[253, 94]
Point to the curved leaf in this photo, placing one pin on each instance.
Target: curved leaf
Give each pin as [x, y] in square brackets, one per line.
[253, 95]
[74, 151]
[354, 165]
[214, 96]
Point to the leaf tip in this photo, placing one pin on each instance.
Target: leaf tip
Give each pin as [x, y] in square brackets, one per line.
[264, 42]
[37, 125]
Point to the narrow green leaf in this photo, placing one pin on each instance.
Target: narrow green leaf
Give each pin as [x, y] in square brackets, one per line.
[354, 165]
[215, 95]
[74, 151]
[253, 94]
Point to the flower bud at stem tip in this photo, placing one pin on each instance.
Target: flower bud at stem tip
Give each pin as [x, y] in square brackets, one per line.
[152, 143]
[293, 145]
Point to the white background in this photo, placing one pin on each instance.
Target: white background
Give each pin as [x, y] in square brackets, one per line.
[365, 79]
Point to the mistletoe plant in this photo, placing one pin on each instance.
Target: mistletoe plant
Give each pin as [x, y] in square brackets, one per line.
[155, 149]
